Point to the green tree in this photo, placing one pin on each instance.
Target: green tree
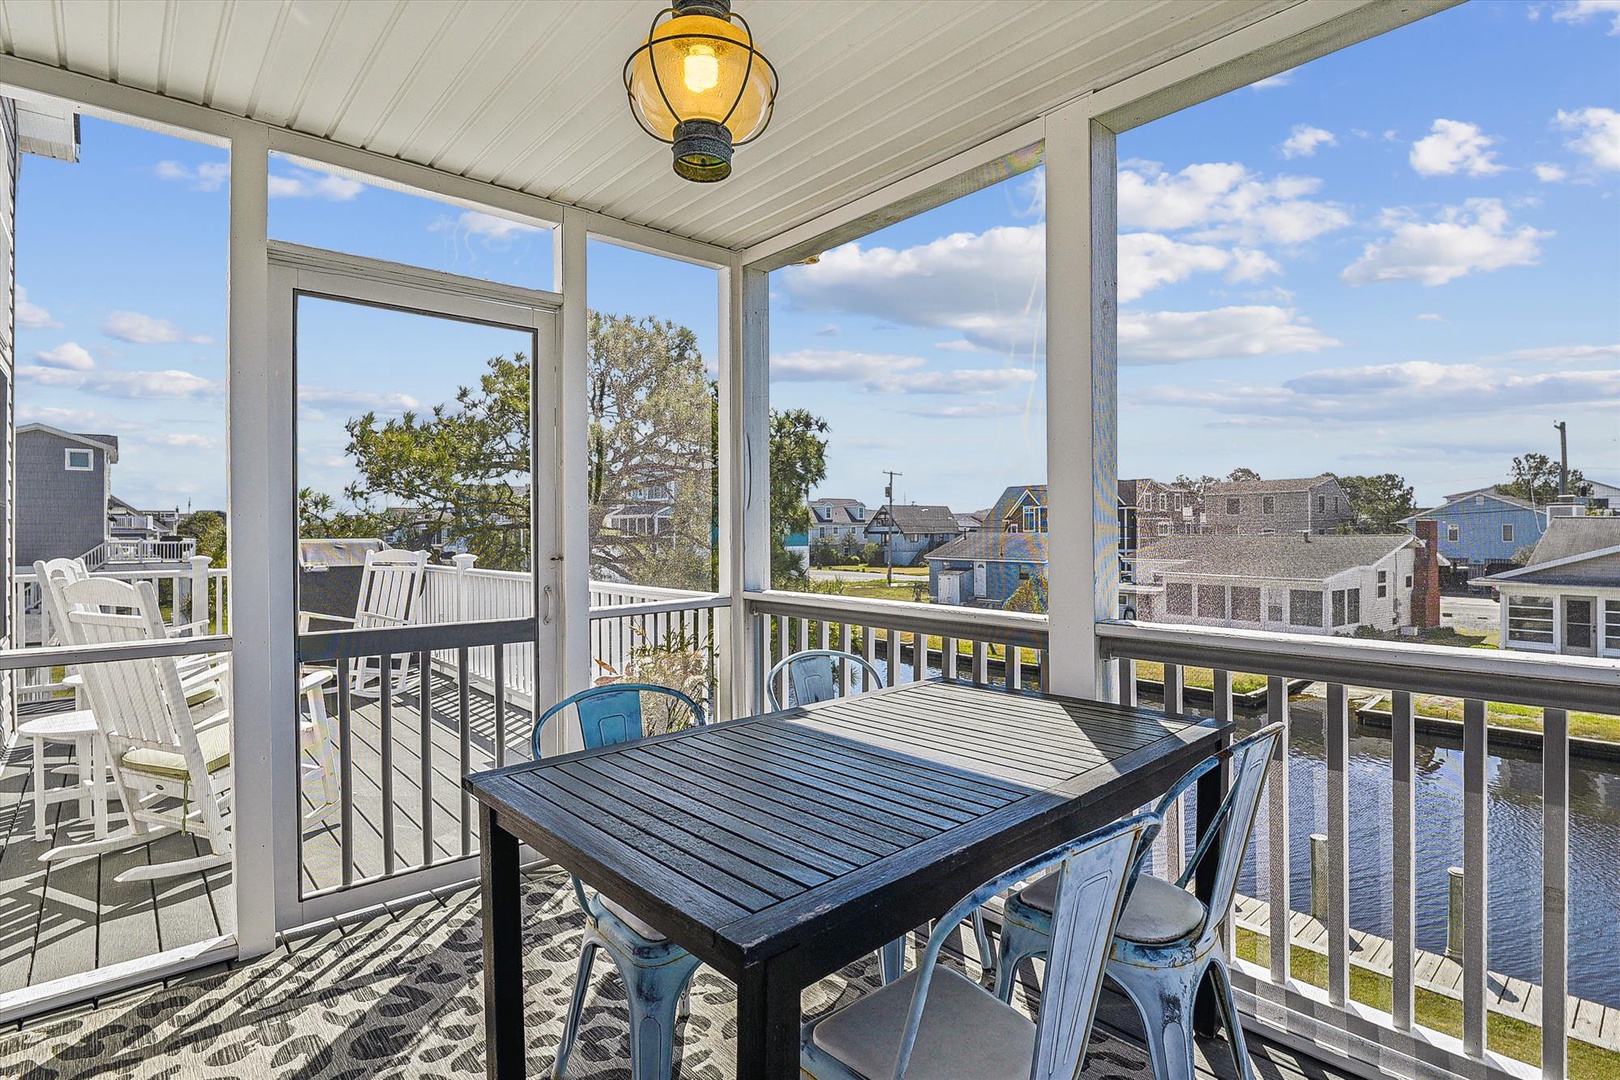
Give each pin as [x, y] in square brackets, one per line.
[1378, 503]
[798, 463]
[1029, 597]
[1241, 474]
[319, 518]
[207, 527]
[1535, 479]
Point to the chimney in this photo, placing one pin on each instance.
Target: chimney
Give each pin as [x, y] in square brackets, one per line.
[1426, 577]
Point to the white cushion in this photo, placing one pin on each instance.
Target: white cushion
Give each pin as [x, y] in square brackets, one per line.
[1156, 914]
[966, 1034]
[646, 930]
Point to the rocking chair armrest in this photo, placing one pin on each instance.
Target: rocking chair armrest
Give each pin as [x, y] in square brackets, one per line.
[189, 629]
[305, 618]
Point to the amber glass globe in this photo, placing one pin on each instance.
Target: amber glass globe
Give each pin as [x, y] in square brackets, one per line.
[699, 84]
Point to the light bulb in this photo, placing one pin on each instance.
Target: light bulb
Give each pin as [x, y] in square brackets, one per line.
[702, 70]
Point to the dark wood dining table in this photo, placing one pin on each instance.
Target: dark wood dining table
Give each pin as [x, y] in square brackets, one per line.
[780, 848]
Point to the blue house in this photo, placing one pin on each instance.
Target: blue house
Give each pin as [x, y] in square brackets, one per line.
[985, 568]
[1480, 531]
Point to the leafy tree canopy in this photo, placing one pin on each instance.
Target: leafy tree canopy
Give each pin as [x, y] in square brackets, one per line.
[1378, 503]
[1240, 473]
[207, 527]
[1535, 479]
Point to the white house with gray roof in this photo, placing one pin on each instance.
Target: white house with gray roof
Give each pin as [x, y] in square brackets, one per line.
[1567, 598]
[1299, 584]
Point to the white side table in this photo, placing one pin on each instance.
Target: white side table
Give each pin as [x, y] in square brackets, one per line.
[90, 786]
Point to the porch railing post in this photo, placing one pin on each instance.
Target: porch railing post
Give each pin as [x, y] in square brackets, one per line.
[198, 585]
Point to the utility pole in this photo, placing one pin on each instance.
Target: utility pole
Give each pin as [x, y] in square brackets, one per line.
[1563, 457]
[888, 535]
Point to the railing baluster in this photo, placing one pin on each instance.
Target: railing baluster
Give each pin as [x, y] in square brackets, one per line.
[1403, 839]
[1012, 667]
[500, 705]
[1336, 725]
[980, 663]
[868, 652]
[1475, 772]
[463, 699]
[424, 718]
[1221, 688]
[1277, 846]
[947, 658]
[387, 737]
[1127, 681]
[891, 656]
[919, 656]
[345, 770]
[1554, 893]
[804, 634]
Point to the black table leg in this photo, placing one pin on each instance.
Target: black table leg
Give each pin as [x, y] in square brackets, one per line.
[504, 1052]
[1212, 788]
[767, 1023]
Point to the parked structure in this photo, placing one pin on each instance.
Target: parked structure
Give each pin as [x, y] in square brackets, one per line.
[837, 521]
[910, 532]
[984, 569]
[1301, 584]
[1567, 598]
[64, 482]
[1480, 531]
[1315, 504]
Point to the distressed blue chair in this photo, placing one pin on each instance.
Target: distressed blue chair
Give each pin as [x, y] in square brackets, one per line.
[1167, 939]
[657, 972]
[818, 675]
[935, 1024]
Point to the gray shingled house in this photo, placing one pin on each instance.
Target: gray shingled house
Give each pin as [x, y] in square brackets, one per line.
[1315, 504]
[1567, 598]
[63, 484]
[910, 532]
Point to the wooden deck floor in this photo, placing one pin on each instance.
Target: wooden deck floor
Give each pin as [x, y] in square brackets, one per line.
[64, 919]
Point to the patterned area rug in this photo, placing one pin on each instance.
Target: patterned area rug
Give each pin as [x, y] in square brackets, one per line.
[401, 995]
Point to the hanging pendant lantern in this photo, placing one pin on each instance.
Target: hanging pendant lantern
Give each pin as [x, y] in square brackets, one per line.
[699, 84]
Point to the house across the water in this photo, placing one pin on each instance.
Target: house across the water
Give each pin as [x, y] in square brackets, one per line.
[1480, 531]
[909, 532]
[1567, 598]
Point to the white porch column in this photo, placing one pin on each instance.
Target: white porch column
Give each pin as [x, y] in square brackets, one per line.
[1081, 372]
[745, 447]
[572, 604]
[263, 667]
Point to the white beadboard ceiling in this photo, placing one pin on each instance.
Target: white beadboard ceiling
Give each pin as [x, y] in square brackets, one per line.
[528, 94]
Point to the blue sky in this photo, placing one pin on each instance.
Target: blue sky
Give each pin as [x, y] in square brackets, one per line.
[1392, 259]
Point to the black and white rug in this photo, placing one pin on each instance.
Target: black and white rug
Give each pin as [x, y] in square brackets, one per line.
[401, 995]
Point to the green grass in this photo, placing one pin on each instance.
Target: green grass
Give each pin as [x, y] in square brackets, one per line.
[1503, 714]
[1202, 678]
[1504, 1034]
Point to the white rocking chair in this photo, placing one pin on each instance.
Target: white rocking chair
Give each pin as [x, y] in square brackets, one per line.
[160, 751]
[390, 589]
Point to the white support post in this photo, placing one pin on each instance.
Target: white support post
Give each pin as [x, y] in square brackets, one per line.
[462, 563]
[571, 607]
[262, 544]
[1081, 375]
[745, 506]
[197, 607]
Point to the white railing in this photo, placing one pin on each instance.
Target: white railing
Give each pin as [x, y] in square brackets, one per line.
[1323, 1010]
[114, 553]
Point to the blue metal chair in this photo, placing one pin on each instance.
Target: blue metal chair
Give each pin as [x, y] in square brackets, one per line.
[935, 1024]
[657, 972]
[818, 675]
[1167, 939]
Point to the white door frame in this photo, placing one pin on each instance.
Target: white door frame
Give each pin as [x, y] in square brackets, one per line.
[269, 888]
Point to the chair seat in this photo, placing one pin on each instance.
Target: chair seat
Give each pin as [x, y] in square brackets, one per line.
[965, 1034]
[1156, 914]
[215, 743]
[645, 929]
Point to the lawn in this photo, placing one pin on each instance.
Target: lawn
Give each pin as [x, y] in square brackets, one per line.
[1583, 725]
[1199, 677]
[1505, 1034]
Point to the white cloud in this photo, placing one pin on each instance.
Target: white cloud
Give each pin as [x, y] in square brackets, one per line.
[1430, 316]
[987, 287]
[209, 176]
[1599, 135]
[1563, 353]
[69, 356]
[886, 373]
[1473, 237]
[1304, 140]
[1549, 174]
[305, 184]
[1282, 78]
[1223, 201]
[32, 316]
[1410, 390]
[488, 227]
[181, 440]
[1173, 337]
[140, 329]
[977, 410]
[369, 400]
[1579, 11]
[123, 384]
[1455, 146]
[1149, 260]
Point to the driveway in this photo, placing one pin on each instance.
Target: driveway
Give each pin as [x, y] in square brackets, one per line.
[1474, 614]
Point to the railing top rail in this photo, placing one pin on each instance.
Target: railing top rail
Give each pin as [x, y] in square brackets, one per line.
[649, 592]
[624, 611]
[984, 624]
[400, 640]
[28, 577]
[66, 655]
[1565, 682]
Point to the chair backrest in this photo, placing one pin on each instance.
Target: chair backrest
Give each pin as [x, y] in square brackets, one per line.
[611, 714]
[390, 586]
[1233, 821]
[52, 574]
[818, 675]
[140, 702]
[1094, 876]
